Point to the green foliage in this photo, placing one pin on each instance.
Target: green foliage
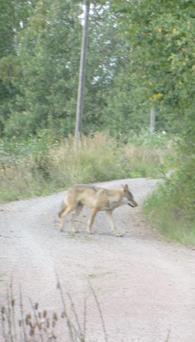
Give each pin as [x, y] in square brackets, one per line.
[45, 73]
[162, 64]
[172, 208]
[44, 165]
[13, 16]
[141, 55]
[145, 139]
[162, 56]
[50, 65]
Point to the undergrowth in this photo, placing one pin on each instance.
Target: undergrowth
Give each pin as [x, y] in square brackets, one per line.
[44, 165]
[171, 209]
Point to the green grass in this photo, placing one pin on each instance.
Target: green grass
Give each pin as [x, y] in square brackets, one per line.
[171, 209]
[44, 165]
[172, 219]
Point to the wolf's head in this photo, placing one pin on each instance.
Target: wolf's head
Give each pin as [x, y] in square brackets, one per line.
[129, 196]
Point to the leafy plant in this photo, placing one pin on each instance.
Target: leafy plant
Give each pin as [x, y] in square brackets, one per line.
[44, 165]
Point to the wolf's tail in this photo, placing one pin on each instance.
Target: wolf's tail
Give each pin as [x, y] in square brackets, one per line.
[63, 207]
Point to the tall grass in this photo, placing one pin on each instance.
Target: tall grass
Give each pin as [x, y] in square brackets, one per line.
[171, 209]
[36, 325]
[45, 165]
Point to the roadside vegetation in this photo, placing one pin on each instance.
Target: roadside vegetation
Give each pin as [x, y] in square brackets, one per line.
[71, 323]
[45, 165]
[171, 209]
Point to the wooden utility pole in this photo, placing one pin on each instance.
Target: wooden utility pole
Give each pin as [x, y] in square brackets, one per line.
[81, 85]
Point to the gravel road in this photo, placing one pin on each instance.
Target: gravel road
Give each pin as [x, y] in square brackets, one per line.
[145, 285]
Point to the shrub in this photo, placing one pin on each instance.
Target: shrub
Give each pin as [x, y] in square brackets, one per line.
[171, 209]
[45, 164]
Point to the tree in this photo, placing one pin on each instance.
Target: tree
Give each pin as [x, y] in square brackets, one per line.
[48, 55]
[13, 17]
[161, 58]
[107, 54]
[161, 34]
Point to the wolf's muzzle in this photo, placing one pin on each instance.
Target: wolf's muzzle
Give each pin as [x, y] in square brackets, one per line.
[133, 204]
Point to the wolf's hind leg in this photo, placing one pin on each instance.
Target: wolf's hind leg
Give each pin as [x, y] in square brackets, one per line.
[63, 212]
[63, 207]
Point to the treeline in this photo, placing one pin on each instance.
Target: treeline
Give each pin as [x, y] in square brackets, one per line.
[141, 58]
[39, 64]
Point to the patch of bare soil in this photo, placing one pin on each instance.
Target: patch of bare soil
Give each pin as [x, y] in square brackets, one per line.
[145, 286]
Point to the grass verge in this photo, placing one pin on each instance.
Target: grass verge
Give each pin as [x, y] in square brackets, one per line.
[45, 165]
[171, 209]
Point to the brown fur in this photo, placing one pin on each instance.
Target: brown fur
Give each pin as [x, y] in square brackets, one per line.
[97, 199]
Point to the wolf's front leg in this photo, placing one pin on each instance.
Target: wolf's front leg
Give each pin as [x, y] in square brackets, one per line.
[74, 216]
[111, 222]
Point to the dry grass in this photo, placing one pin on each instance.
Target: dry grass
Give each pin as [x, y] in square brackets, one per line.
[49, 167]
[36, 325]
[145, 161]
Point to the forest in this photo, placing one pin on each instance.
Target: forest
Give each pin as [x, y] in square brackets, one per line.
[141, 60]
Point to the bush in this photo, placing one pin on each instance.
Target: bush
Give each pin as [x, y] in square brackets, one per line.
[45, 164]
[171, 209]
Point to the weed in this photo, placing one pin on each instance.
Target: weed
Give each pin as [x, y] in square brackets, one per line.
[45, 165]
[39, 325]
[170, 211]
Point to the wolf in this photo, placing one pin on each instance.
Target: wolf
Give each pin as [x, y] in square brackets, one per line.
[96, 198]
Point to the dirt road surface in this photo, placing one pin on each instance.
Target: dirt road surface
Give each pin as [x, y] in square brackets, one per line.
[145, 286]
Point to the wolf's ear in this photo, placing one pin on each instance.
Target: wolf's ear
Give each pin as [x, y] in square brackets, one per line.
[125, 187]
